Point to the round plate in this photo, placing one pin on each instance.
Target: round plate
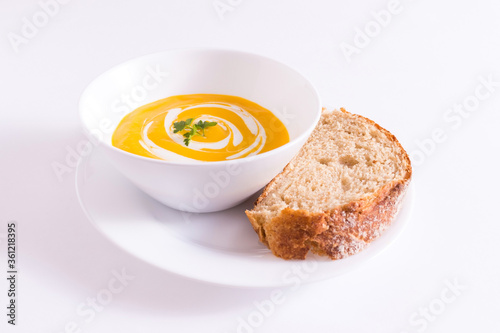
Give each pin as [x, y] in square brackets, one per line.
[220, 247]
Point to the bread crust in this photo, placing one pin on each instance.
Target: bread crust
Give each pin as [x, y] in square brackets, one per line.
[336, 233]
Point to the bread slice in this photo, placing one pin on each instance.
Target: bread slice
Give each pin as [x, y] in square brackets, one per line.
[338, 194]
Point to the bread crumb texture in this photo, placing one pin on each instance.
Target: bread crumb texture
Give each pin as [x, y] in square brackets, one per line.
[338, 194]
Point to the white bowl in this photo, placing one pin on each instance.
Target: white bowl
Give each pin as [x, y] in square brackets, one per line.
[203, 186]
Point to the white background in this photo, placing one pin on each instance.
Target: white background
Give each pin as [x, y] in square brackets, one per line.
[429, 57]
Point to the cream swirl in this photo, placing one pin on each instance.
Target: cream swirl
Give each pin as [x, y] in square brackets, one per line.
[233, 139]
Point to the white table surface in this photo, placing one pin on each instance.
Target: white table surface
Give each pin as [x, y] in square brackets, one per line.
[431, 56]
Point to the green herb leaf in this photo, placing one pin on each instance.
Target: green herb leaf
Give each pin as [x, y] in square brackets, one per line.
[192, 130]
[179, 126]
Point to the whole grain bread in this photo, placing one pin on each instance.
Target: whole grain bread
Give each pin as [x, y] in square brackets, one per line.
[338, 194]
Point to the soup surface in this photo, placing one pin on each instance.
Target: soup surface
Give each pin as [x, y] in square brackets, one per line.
[200, 127]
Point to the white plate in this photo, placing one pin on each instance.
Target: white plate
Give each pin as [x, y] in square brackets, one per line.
[220, 248]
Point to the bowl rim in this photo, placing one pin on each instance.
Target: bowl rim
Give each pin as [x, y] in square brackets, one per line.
[306, 133]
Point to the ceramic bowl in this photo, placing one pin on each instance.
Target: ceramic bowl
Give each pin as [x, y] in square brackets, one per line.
[203, 186]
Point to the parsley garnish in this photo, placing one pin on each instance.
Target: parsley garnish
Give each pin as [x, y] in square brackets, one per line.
[196, 129]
